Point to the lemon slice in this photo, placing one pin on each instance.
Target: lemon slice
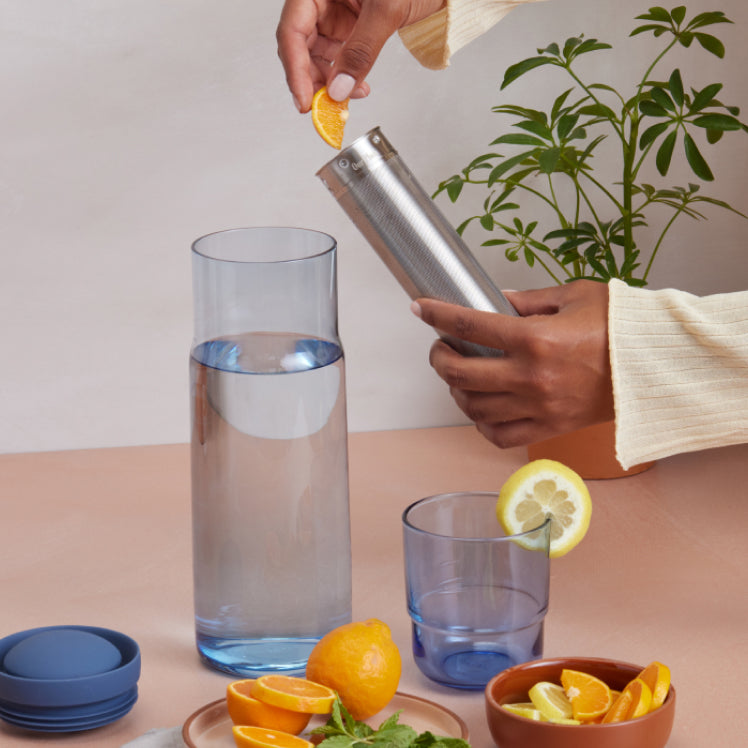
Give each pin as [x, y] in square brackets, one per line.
[546, 488]
[550, 700]
[526, 710]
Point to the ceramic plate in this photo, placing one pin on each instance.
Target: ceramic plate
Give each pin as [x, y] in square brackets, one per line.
[210, 726]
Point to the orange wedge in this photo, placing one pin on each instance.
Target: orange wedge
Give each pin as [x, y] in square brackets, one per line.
[244, 709]
[329, 117]
[296, 694]
[657, 677]
[634, 701]
[589, 696]
[260, 737]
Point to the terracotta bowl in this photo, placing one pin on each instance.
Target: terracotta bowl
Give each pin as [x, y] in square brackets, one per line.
[510, 731]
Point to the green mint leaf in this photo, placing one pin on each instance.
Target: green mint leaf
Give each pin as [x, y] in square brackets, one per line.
[338, 741]
[399, 736]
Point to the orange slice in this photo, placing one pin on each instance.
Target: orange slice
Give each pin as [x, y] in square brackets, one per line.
[260, 737]
[589, 696]
[244, 709]
[657, 677]
[296, 694]
[634, 701]
[329, 117]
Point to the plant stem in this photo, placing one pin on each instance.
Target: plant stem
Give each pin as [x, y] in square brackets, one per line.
[660, 240]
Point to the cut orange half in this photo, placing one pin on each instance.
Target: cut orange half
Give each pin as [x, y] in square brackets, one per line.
[244, 709]
[260, 737]
[329, 117]
[296, 694]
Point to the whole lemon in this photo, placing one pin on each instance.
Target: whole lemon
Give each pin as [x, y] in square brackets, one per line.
[361, 662]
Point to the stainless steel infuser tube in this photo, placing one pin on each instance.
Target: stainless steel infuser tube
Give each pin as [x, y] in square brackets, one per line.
[406, 229]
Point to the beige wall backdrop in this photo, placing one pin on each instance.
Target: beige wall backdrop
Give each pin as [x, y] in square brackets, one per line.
[131, 127]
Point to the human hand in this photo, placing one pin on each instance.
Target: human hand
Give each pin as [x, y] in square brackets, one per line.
[554, 376]
[336, 42]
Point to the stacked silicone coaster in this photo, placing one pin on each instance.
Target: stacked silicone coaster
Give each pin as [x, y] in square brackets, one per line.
[67, 678]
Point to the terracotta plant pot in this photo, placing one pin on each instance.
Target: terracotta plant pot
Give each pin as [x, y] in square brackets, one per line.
[590, 452]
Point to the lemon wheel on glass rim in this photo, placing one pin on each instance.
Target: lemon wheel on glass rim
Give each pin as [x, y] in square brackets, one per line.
[541, 489]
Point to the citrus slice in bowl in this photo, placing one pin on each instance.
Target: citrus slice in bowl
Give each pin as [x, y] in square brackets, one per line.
[526, 710]
[589, 696]
[541, 489]
[329, 117]
[634, 701]
[657, 677]
[551, 701]
[260, 737]
[296, 694]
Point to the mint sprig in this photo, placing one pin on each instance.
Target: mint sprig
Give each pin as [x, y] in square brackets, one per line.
[342, 731]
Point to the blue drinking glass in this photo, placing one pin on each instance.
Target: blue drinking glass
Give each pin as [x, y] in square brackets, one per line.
[477, 597]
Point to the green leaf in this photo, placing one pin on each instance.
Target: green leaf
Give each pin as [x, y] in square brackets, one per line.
[718, 122]
[658, 30]
[650, 109]
[711, 44]
[660, 96]
[519, 139]
[714, 136]
[506, 165]
[656, 13]
[519, 69]
[665, 153]
[696, 160]
[480, 160]
[548, 159]
[598, 110]
[705, 97]
[678, 14]
[540, 129]
[454, 189]
[686, 39]
[675, 84]
[559, 102]
[487, 222]
[398, 736]
[566, 124]
[708, 19]
[652, 133]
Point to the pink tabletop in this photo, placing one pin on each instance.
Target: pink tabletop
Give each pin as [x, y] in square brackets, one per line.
[102, 538]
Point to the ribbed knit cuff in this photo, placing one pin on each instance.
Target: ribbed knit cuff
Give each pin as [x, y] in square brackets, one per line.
[680, 371]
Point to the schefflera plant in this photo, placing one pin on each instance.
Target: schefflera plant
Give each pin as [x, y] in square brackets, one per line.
[593, 226]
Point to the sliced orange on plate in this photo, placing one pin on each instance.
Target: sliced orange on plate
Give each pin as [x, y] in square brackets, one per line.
[260, 737]
[245, 709]
[589, 696]
[329, 117]
[296, 694]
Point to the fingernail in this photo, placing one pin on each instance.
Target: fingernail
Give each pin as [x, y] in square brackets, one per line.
[297, 104]
[415, 307]
[341, 86]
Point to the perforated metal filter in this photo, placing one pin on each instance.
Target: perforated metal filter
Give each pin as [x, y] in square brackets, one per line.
[406, 229]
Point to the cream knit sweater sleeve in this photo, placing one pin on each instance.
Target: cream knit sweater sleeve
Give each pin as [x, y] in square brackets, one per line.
[680, 371]
[435, 39]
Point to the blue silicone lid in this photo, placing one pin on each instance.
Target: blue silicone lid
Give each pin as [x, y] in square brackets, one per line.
[64, 666]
